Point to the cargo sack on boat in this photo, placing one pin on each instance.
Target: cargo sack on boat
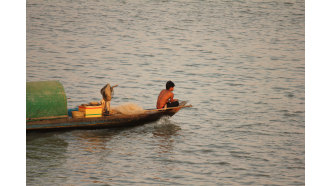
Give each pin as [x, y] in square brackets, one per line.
[128, 109]
[107, 92]
[45, 100]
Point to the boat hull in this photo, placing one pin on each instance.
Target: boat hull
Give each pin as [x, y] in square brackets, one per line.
[117, 120]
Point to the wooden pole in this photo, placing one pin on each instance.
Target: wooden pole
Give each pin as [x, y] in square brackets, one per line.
[170, 108]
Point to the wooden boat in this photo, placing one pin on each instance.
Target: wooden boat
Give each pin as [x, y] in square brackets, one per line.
[59, 120]
[116, 120]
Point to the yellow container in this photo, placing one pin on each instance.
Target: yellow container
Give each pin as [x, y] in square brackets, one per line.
[91, 111]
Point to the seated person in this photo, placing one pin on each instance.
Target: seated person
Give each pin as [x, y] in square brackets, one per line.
[165, 98]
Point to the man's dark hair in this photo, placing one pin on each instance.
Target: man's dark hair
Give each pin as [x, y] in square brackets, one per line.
[169, 84]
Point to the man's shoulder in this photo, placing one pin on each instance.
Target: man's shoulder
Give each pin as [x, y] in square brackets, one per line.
[166, 92]
[169, 92]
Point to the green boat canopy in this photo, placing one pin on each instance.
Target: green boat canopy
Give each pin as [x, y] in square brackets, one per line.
[45, 100]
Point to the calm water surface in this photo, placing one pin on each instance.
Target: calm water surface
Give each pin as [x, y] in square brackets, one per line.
[239, 63]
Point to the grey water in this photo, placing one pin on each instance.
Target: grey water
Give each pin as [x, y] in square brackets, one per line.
[240, 63]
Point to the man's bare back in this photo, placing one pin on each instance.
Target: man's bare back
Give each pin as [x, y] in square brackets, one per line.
[166, 96]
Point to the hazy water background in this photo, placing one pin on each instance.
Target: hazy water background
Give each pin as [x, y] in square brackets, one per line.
[239, 63]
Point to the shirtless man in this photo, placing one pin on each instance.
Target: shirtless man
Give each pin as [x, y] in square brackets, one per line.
[165, 98]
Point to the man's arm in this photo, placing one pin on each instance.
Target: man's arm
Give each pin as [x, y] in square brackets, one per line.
[171, 97]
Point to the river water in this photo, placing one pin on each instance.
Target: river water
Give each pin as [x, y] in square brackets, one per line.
[239, 63]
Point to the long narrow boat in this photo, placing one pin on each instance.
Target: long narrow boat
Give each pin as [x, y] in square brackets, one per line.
[115, 120]
[46, 110]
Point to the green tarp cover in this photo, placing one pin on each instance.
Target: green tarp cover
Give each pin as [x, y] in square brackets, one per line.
[45, 99]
